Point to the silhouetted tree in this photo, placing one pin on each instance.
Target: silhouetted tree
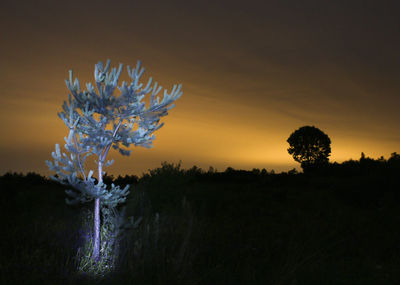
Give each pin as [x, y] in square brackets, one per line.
[310, 146]
[394, 159]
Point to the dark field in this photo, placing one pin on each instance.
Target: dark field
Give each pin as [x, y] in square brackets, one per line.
[337, 225]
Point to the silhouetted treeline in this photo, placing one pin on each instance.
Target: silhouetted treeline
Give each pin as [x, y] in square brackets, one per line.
[30, 177]
[364, 183]
[363, 166]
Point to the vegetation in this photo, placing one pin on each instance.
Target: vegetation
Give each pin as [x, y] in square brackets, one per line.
[310, 146]
[97, 122]
[337, 226]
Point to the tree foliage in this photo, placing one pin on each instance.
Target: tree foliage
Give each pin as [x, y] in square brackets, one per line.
[310, 146]
[98, 121]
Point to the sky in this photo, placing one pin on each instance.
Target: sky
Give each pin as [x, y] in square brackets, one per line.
[252, 72]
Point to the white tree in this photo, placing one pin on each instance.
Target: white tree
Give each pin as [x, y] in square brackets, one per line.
[99, 121]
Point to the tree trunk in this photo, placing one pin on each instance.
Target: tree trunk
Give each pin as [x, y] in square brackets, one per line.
[96, 245]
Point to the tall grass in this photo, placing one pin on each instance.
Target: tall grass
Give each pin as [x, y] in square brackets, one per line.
[201, 227]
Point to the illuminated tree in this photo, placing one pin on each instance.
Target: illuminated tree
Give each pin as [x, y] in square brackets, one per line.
[99, 121]
[310, 146]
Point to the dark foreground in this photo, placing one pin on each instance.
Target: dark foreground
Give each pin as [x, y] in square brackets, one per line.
[338, 226]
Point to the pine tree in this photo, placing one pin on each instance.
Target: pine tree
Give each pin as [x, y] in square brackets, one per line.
[99, 121]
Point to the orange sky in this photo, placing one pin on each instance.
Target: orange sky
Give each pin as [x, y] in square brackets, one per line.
[251, 76]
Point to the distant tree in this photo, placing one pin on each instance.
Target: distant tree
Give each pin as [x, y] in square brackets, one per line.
[394, 157]
[99, 121]
[310, 146]
[211, 170]
[229, 170]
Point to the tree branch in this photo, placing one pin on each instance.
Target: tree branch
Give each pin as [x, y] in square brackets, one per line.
[109, 145]
[79, 159]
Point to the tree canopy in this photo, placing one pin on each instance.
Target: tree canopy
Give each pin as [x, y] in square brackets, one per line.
[310, 146]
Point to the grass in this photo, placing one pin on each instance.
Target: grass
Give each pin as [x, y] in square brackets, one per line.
[218, 228]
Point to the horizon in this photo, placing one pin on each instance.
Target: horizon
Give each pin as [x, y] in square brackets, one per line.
[204, 170]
